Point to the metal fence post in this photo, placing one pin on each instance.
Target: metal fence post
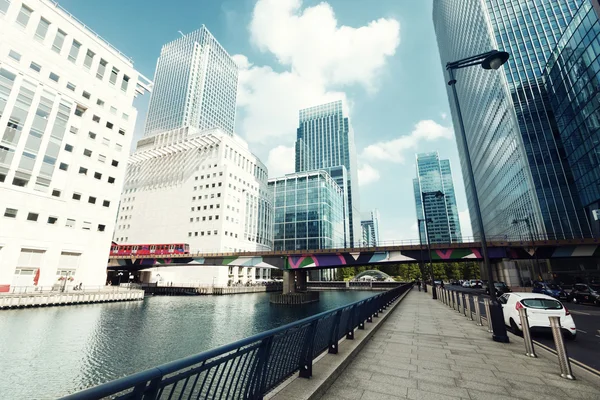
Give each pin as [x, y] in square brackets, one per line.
[307, 351]
[486, 304]
[563, 357]
[468, 303]
[350, 327]
[458, 302]
[477, 310]
[529, 350]
[464, 300]
[333, 342]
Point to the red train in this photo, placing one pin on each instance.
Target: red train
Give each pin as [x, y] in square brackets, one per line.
[148, 249]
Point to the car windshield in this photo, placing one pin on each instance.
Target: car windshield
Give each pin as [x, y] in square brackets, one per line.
[595, 288]
[553, 286]
[543, 304]
[499, 284]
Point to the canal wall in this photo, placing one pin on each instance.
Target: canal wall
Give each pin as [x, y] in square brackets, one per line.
[207, 290]
[46, 299]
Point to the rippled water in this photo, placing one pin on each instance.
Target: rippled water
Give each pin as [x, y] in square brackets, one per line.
[50, 352]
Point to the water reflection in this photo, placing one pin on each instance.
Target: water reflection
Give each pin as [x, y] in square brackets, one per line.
[50, 352]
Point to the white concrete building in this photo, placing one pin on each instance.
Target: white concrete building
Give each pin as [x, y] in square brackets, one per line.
[66, 124]
[204, 188]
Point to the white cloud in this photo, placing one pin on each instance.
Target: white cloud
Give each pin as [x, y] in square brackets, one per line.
[407, 233]
[319, 58]
[367, 174]
[465, 224]
[394, 150]
[281, 161]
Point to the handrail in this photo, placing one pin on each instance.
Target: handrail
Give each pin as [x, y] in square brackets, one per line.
[252, 366]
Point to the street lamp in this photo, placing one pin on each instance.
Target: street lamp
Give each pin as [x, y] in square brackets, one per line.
[537, 265]
[419, 220]
[437, 195]
[491, 60]
[120, 274]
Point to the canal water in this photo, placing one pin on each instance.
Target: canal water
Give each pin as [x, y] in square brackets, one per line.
[50, 352]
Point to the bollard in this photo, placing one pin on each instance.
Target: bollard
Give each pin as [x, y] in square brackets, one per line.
[454, 300]
[563, 357]
[464, 300]
[477, 310]
[445, 296]
[488, 316]
[458, 302]
[529, 350]
[468, 303]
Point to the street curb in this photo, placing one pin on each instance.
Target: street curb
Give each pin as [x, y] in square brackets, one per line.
[333, 365]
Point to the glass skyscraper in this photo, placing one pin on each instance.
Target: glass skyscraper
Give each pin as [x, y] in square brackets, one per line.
[325, 140]
[195, 84]
[370, 228]
[515, 147]
[573, 81]
[308, 210]
[435, 175]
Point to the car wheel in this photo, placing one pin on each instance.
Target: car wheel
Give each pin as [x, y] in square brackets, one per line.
[515, 329]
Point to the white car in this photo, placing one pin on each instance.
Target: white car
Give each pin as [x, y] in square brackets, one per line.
[466, 284]
[539, 308]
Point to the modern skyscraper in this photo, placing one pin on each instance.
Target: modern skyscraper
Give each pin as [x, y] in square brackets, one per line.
[66, 108]
[572, 78]
[195, 85]
[325, 139]
[515, 148]
[370, 228]
[433, 176]
[309, 211]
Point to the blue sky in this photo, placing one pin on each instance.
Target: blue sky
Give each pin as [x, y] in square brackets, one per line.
[380, 56]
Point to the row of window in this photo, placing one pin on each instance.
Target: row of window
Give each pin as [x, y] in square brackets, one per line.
[88, 153]
[77, 196]
[84, 171]
[208, 233]
[210, 218]
[52, 220]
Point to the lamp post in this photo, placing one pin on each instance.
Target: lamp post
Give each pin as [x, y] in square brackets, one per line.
[537, 264]
[421, 263]
[437, 195]
[491, 60]
[120, 274]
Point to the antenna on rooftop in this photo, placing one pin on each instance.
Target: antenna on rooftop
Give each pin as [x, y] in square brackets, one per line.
[181, 33]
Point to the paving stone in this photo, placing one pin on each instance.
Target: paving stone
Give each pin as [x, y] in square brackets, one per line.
[422, 376]
[442, 389]
[439, 372]
[345, 392]
[479, 395]
[416, 394]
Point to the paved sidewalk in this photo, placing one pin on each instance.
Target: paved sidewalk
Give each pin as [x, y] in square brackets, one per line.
[425, 350]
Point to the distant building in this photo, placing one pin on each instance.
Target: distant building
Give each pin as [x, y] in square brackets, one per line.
[66, 102]
[195, 85]
[325, 139]
[434, 175]
[204, 188]
[370, 228]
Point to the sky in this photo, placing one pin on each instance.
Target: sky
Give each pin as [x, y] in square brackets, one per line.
[380, 57]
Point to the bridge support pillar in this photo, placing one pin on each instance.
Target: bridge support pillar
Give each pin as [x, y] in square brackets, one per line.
[289, 283]
[301, 279]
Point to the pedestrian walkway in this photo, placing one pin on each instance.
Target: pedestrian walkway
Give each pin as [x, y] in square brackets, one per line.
[425, 350]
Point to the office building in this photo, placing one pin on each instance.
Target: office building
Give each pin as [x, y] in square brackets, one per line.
[516, 154]
[66, 100]
[370, 228]
[572, 75]
[195, 85]
[308, 210]
[435, 200]
[204, 188]
[325, 139]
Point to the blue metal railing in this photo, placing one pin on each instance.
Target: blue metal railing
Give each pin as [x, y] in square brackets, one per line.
[251, 367]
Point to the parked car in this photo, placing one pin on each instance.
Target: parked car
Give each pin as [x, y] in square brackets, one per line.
[539, 308]
[582, 293]
[475, 284]
[550, 289]
[466, 284]
[500, 287]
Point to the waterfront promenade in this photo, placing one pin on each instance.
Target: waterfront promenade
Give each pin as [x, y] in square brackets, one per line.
[424, 350]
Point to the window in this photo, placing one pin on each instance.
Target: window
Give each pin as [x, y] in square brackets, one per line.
[203, 218]
[70, 86]
[115, 163]
[111, 179]
[89, 58]
[100, 102]
[113, 75]
[109, 125]
[113, 110]
[54, 77]
[35, 67]
[125, 83]
[118, 147]
[11, 213]
[70, 223]
[42, 29]
[96, 119]
[101, 228]
[32, 217]
[86, 225]
[69, 148]
[24, 14]
[106, 203]
[92, 200]
[97, 175]
[63, 166]
[86, 95]
[87, 153]
[75, 46]
[52, 220]
[125, 117]
[101, 69]
[14, 55]
[76, 196]
[92, 135]
[83, 170]
[59, 39]
[121, 131]
[56, 193]
[4, 4]
[105, 141]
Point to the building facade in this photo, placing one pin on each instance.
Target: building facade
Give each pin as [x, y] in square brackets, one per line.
[435, 200]
[325, 139]
[370, 228]
[195, 85]
[572, 80]
[66, 110]
[500, 159]
[204, 188]
[309, 211]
